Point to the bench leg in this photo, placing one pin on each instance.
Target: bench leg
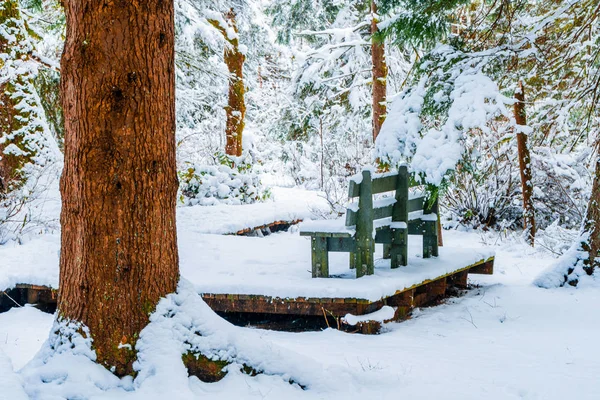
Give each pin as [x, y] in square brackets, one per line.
[320, 257]
[364, 258]
[399, 248]
[430, 243]
[352, 260]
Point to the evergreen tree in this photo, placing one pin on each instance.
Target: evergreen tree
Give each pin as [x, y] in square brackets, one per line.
[27, 146]
[25, 140]
[419, 22]
[339, 86]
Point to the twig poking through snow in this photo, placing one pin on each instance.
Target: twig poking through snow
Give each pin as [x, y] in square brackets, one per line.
[13, 300]
[471, 318]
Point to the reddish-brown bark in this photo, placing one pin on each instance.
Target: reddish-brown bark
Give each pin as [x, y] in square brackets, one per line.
[525, 166]
[236, 106]
[379, 73]
[119, 248]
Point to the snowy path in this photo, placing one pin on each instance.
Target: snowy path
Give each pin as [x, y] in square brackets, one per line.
[36, 260]
[287, 205]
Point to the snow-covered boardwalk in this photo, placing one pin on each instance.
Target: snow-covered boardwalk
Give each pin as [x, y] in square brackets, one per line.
[277, 265]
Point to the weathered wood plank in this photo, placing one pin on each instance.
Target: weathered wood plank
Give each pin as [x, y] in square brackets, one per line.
[416, 204]
[380, 184]
[486, 268]
[365, 246]
[319, 257]
[341, 245]
[429, 239]
[399, 237]
[326, 234]
[378, 213]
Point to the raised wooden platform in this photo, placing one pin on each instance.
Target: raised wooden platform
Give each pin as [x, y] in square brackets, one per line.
[405, 299]
[243, 308]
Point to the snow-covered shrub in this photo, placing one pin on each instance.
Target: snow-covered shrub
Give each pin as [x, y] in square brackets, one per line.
[28, 148]
[562, 185]
[209, 185]
[484, 197]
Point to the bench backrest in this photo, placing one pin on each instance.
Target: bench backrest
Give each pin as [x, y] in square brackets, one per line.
[396, 207]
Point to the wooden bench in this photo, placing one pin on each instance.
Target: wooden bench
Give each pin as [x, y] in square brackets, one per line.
[387, 220]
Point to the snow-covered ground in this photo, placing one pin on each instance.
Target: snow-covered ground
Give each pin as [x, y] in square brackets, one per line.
[505, 339]
[277, 265]
[35, 260]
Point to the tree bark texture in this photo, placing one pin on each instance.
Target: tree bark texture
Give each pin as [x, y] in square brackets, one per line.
[525, 166]
[119, 185]
[18, 110]
[591, 225]
[379, 73]
[236, 106]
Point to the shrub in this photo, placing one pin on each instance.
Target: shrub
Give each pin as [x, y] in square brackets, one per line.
[209, 185]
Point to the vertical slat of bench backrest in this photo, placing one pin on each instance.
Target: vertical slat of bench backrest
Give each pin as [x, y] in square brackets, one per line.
[349, 222]
[436, 210]
[399, 247]
[364, 228]
[430, 241]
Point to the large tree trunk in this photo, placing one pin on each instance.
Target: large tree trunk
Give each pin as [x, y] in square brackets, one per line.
[525, 166]
[379, 73]
[119, 245]
[236, 106]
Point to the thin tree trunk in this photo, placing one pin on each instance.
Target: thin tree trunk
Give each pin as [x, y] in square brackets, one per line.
[322, 153]
[525, 166]
[236, 106]
[591, 225]
[379, 73]
[440, 231]
[119, 185]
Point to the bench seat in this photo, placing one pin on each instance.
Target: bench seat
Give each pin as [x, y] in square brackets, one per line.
[374, 219]
[327, 228]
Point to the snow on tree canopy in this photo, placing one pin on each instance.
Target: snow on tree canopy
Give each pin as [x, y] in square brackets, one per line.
[427, 123]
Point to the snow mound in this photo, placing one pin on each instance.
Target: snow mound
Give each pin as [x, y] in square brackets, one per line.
[182, 323]
[567, 269]
[10, 383]
[386, 313]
